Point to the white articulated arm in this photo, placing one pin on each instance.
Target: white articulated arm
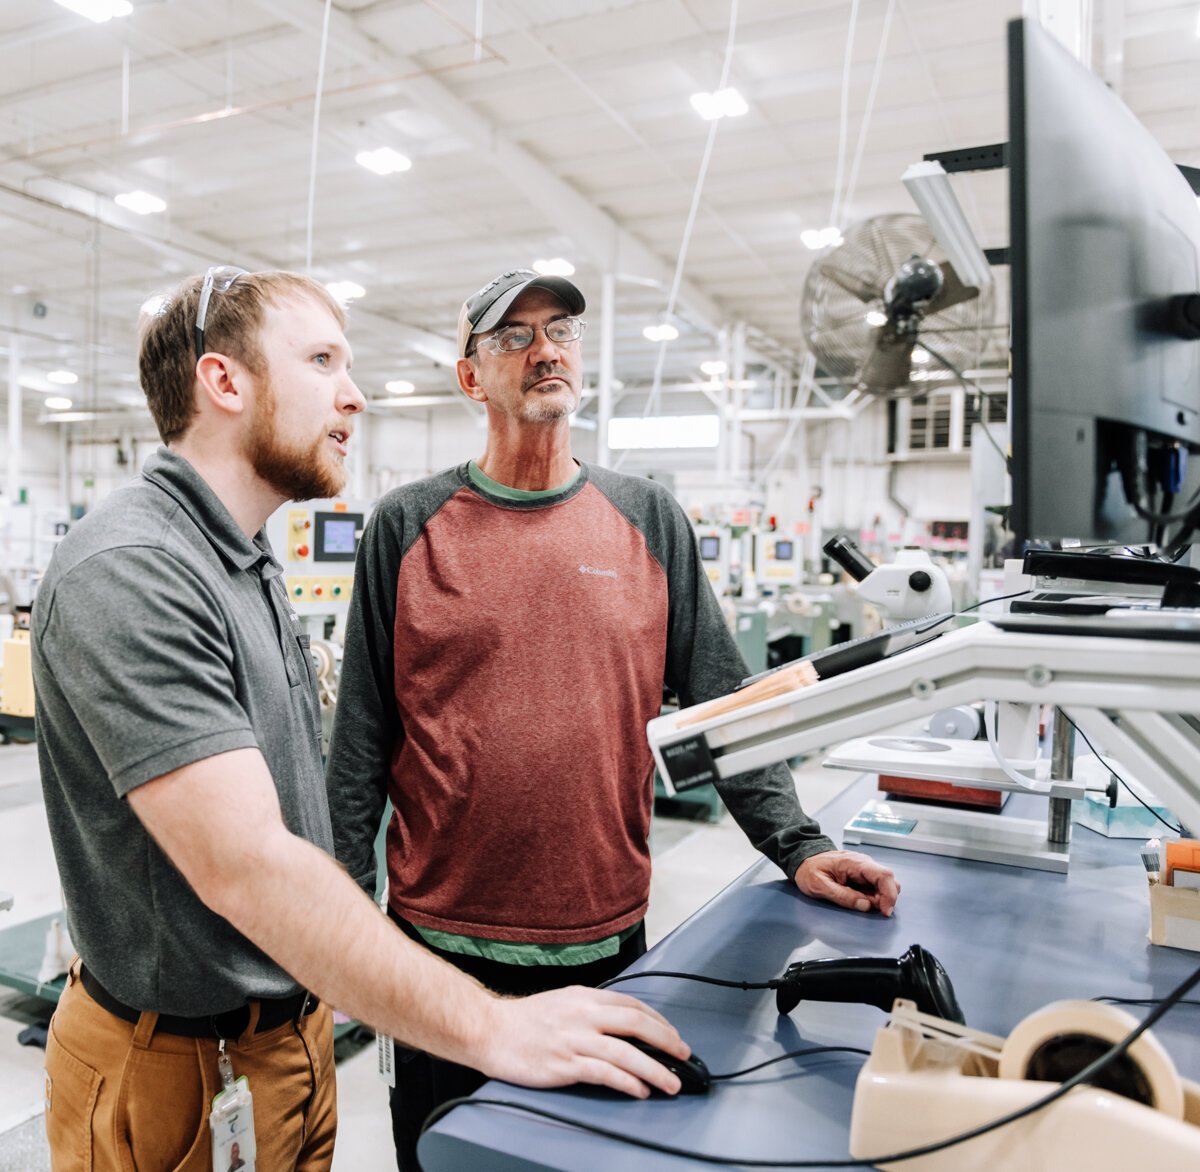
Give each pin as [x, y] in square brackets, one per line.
[1135, 695]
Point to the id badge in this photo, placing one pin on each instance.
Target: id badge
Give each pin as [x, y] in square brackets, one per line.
[232, 1124]
[385, 1059]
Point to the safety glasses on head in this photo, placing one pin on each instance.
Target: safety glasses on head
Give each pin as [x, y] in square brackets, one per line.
[218, 279]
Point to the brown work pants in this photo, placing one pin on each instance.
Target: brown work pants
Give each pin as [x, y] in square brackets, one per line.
[122, 1097]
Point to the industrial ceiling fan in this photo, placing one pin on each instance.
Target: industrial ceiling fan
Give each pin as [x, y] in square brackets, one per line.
[869, 303]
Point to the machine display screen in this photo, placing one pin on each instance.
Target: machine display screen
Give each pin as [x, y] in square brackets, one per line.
[336, 536]
[784, 551]
[710, 549]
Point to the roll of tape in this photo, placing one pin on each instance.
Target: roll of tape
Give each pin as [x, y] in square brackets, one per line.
[1048, 1032]
[962, 723]
[798, 604]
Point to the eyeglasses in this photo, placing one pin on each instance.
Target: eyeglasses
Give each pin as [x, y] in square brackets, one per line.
[513, 338]
[217, 280]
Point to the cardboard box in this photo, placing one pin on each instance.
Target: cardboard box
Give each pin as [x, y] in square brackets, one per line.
[1175, 916]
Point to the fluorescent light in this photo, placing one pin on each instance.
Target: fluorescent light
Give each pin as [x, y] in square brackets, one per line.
[64, 378]
[555, 267]
[818, 238]
[663, 332]
[57, 403]
[98, 10]
[726, 103]
[383, 161]
[713, 368]
[875, 318]
[920, 355]
[929, 186]
[141, 202]
[670, 431]
[155, 306]
[399, 386]
[345, 291]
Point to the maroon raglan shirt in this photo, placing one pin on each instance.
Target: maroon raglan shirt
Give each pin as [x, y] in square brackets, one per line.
[502, 659]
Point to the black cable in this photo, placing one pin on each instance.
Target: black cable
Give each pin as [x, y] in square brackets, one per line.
[1142, 1000]
[995, 598]
[790, 1054]
[690, 977]
[1089, 1072]
[1132, 793]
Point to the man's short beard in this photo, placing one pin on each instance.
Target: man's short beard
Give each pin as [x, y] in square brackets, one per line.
[538, 408]
[298, 472]
[547, 410]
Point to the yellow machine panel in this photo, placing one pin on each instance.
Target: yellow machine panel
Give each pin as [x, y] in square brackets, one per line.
[16, 677]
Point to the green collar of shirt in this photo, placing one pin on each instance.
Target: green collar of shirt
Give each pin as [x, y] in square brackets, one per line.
[494, 488]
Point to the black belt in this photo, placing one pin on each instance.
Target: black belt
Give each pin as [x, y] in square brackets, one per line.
[272, 1012]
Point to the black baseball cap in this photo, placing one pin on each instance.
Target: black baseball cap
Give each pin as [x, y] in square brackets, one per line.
[485, 309]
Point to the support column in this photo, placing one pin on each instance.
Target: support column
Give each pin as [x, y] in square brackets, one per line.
[604, 384]
[12, 482]
[737, 376]
[1062, 768]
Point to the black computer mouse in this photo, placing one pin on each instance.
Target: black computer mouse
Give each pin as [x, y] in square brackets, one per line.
[691, 1072]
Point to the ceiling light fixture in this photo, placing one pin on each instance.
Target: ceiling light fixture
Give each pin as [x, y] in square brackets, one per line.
[64, 378]
[713, 368]
[726, 103]
[555, 267]
[399, 386]
[875, 318]
[818, 238]
[345, 291]
[141, 202]
[920, 355]
[383, 161]
[929, 186]
[98, 10]
[663, 332]
[57, 403]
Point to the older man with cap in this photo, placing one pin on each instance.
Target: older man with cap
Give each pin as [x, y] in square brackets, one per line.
[512, 626]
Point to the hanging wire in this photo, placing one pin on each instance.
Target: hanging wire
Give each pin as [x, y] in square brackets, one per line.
[312, 168]
[843, 131]
[852, 183]
[656, 386]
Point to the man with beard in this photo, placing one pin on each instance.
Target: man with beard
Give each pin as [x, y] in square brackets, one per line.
[512, 625]
[179, 743]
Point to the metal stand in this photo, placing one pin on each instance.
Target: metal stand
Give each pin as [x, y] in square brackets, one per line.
[1133, 688]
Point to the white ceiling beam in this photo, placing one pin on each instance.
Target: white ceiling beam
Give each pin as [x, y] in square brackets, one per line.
[200, 249]
[593, 229]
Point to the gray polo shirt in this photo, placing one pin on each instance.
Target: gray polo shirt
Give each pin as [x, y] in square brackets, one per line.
[162, 636]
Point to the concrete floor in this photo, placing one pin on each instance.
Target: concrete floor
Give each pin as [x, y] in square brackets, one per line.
[692, 862]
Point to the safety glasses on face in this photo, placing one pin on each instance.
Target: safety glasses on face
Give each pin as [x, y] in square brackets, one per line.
[560, 331]
[217, 280]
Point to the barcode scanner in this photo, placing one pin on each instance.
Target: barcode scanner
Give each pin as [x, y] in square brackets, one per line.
[872, 980]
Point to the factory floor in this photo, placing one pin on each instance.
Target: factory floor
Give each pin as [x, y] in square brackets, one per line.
[693, 860]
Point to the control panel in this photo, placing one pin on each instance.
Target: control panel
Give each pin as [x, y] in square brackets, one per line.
[716, 542]
[779, 561]
[316, 542]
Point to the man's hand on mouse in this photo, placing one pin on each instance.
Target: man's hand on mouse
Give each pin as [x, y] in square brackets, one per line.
[573, 1035]
[849, 879]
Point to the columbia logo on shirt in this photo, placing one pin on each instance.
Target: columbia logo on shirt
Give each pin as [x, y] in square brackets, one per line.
[586, 569]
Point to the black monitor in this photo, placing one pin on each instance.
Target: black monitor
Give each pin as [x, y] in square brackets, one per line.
[710, 548]
[1105, 254]
[784, 550]
[336, 536]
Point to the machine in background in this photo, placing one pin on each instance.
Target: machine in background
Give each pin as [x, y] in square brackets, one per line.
[316, 542]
